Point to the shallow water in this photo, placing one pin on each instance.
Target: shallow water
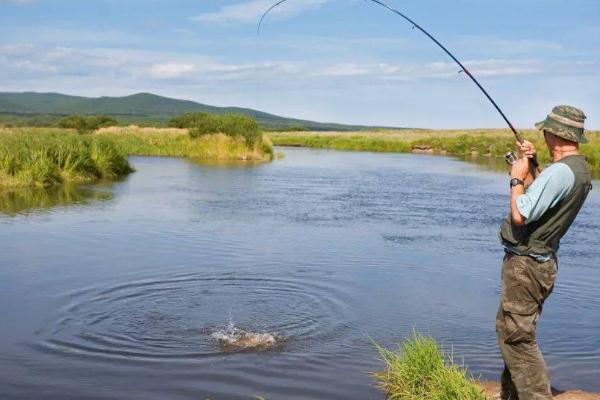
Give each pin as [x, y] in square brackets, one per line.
[118, 296]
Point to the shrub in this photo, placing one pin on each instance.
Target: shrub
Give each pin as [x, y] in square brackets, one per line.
[87, 123]
[200, 124]
[189, 120]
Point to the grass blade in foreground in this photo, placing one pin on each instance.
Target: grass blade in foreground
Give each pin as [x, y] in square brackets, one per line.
[421, 371]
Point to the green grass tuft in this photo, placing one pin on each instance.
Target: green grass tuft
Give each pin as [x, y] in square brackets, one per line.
[46, 159]
[421, 371]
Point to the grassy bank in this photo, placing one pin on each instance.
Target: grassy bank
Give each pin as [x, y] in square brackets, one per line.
[43, 157]
[178, 143]
[421, 371]
[30, 158]
[491, 143]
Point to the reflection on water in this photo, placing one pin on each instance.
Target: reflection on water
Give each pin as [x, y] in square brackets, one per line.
[29, 200]
[321, 252]
[496, 164]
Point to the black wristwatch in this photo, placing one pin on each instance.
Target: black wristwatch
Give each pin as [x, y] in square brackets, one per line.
[516, 182]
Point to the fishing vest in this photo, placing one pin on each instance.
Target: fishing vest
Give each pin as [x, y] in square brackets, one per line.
[543, 236]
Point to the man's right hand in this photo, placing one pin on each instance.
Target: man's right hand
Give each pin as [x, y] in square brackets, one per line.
[526, 149]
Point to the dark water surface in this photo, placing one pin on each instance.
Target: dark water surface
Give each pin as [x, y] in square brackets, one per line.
[116, 297]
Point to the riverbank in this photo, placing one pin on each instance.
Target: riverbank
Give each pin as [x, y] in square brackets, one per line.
[482, 143]
[492, 391]
[43, 157]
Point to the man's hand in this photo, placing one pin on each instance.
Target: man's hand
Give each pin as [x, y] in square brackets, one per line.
[520, 169]
[526, 149]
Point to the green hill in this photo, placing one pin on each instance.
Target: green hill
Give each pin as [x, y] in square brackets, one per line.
[30, 108]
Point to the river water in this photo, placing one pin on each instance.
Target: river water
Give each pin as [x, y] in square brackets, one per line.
[114, 291]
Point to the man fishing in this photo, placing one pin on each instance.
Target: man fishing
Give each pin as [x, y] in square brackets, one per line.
[540, 214]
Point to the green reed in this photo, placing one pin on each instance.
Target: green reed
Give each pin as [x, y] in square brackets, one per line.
[420, 370]
[48, 158]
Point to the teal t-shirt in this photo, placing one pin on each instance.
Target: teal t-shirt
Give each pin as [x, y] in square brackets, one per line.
[551, 186]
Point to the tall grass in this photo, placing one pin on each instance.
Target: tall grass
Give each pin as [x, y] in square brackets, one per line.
[492, 143]
[421, 371]
[177, 143]
[46, 159]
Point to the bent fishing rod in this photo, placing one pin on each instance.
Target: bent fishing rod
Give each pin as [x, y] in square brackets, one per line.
[419, 27]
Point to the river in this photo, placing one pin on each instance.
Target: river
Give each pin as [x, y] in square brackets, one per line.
[114, 291]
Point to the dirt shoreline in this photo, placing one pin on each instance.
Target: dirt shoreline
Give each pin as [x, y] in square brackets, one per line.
[492, 391]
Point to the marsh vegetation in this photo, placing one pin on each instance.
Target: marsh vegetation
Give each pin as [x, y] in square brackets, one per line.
[175, 142]
[42, 159]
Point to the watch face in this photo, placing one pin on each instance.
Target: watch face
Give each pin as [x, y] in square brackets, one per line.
[515, 182]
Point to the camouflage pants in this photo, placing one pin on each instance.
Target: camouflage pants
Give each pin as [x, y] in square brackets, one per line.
[526, 284]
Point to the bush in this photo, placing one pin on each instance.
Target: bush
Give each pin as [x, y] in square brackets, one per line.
[189, 120]
[421, 371]
[87, 123]
[200, 124]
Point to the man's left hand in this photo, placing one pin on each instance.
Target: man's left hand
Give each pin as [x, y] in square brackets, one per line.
[526, 149]
[520, 169]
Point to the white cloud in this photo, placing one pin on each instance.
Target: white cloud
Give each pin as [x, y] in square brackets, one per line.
[509, 46]
[251, 11]
[438, 70]
[26, 61]
[171, 70]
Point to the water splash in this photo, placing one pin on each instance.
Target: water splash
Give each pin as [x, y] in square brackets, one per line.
[233, 338]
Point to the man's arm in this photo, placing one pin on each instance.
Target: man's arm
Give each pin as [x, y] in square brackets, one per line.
[520, 170]
[527, 152]
[550, 187]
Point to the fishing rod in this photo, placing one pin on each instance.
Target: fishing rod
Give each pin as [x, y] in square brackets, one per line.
[456, 60]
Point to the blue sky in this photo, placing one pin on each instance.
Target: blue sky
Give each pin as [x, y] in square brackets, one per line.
[345, 61]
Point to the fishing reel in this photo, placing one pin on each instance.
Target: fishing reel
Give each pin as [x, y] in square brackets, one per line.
[510, 158]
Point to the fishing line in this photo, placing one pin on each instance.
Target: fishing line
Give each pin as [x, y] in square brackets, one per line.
[463, 69]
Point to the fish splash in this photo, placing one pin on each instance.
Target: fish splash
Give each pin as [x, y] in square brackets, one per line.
[237, 339]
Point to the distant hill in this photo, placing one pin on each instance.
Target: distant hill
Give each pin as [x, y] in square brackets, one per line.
[142, 108]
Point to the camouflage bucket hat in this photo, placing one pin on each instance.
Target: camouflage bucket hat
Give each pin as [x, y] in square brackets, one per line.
[565, 122]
